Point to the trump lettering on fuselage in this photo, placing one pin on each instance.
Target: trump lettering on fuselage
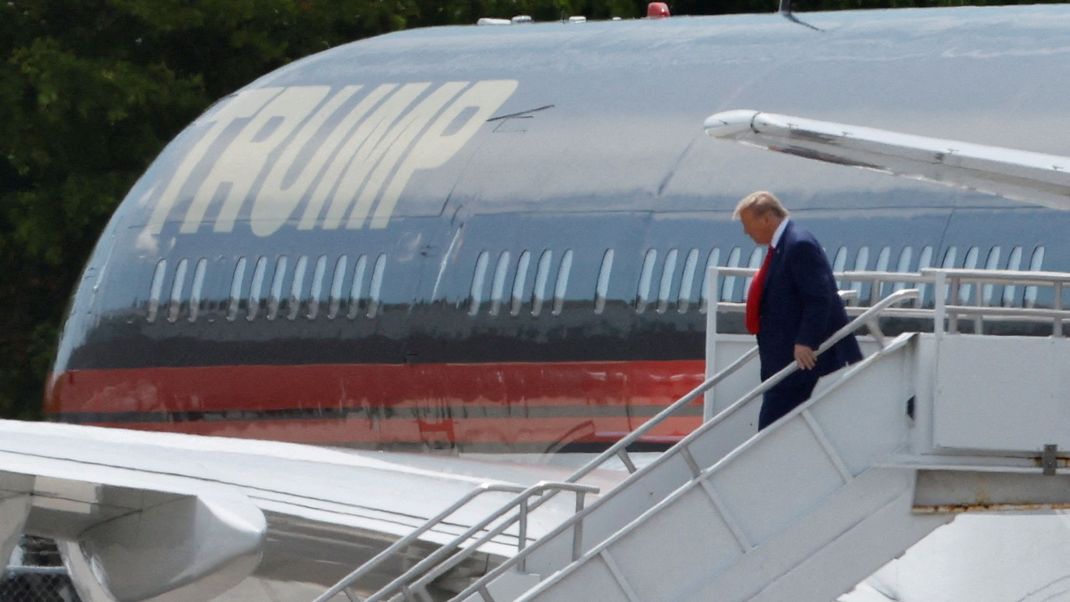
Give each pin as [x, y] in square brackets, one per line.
[316, 156]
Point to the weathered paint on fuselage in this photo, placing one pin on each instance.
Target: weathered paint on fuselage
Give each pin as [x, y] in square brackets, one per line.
[398, 161]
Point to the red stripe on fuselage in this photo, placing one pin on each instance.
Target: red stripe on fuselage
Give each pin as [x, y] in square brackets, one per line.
[502, 405]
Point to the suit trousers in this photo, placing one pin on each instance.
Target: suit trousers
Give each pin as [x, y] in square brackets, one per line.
[784, 397]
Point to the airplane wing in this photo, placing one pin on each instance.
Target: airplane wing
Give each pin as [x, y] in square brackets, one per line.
[141, 514]
[1014, 174]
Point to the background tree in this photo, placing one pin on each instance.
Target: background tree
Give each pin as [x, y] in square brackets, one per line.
[90, 91]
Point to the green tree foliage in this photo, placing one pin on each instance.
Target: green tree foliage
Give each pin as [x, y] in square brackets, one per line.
[90, 91]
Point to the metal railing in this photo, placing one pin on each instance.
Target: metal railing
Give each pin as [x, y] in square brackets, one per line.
[618, 450]
[400, 584]
[961, 284]
[404, 542]
[977, 294]
[575, 522]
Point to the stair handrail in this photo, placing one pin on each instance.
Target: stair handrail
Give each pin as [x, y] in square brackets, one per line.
[618, 449]
[956, 304]
[429, 524]
[522, 495]
[865, 319]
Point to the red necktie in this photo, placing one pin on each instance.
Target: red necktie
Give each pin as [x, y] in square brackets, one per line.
[754, 295]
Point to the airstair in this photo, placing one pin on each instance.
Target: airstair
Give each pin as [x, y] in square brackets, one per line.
[926, 426]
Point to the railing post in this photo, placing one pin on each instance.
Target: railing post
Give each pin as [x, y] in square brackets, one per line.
[577, 530]
[626, 460]
[709, 403]
[939, 302]
[1057, 303]
[577, 540]
[523, 538]
[952, 294]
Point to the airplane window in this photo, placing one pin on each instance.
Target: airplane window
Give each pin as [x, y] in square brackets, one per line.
[475, 294]
[236, 284]
[198, 287]
[176, 290]
[376, 286]
[642, 293]
[1034, 266]
[316, 294]
[155, 290]
[687, 282]
[840, 262]
[1014, 263]
[356, 290]
[602, 288]
[925, 260]
[972, 255]
[667, 272]
[728, 287]
[966, 290]
[992, 263]
[560, 287]
[276, 288]
[297, 287]
[335, 300]
[519, 281]
[1037, 262]
[542, 275]
[903, 266]
[861, 261]
[711, 262]
[950, 255]
[255, 298]
[497, 290]
[883, 258]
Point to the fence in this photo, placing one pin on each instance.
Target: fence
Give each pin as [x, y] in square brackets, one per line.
[36, 574]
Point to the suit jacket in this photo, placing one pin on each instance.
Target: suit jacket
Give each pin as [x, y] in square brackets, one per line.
[800, 305]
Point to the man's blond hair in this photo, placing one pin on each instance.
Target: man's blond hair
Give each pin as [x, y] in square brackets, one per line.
[760, 203]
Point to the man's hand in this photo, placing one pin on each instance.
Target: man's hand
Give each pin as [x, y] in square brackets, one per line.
[805, 357]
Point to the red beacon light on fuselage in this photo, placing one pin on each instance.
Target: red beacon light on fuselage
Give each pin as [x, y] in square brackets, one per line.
[657, 10]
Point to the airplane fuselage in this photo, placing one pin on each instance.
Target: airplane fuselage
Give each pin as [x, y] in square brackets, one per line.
[496, 238]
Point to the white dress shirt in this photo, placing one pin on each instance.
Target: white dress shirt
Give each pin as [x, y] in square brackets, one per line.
[779, 232]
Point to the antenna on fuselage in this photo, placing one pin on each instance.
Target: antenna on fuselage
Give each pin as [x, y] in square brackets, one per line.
[785, 10]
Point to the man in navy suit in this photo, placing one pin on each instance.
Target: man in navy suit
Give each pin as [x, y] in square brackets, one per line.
[792, 306]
